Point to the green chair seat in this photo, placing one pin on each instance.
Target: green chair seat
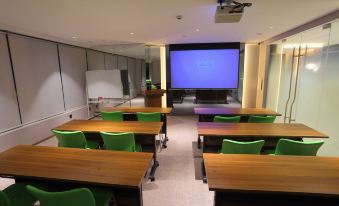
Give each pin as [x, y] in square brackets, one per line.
[81, 196]
[4, 201]
[74, 139]
[226, 119]
[292, 147]
[149, 116]
[102, 196]
[92, 144]
[235, 147]
[115, 116]
[261, 119]
[17, 195]
[123, 141]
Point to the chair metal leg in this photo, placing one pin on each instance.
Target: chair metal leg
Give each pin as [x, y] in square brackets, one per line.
[154, 167]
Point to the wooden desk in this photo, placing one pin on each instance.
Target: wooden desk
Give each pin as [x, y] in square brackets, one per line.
[81, 166]
[206, 114]
[272, 180]
[145, 132]
[129, 114]
[271, 132]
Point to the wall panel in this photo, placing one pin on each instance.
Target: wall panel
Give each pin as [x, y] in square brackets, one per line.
[9, 109]
[73, 67]
[38, 80]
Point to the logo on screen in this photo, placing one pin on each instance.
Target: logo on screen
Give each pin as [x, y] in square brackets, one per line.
[205, 64]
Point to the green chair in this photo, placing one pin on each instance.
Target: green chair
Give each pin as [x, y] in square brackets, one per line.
[74, 139]
[17, 195]
[292, 147]
[149, 116]
[115, 116]
[81, 196]
[152, 117]
[4, 201]
[261, 119]
[235, 147]
[226, 119]
[124, 141]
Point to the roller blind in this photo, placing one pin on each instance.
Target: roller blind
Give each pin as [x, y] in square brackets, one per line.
[37, 75]
[96, 60]
[73, 69]
[9, 109]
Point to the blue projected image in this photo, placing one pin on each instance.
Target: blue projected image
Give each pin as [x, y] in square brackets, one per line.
[205, 69]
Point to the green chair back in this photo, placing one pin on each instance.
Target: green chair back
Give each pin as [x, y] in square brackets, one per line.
[115, 116]
[71, 139]
[261, 119]
[119, 141]
[4, 201]
[292, 147]
[148, 116]
[226, 119]
[235, 147]
[81, 196]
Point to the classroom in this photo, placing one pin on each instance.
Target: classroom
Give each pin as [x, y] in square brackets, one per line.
[169, 103]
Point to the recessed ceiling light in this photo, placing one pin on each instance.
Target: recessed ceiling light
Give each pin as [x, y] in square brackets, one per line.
[197, 30]
[271, 27]
[74, 37]
[131, 33]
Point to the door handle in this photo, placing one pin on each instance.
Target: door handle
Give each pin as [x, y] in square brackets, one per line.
[289, 90]
[296, 82]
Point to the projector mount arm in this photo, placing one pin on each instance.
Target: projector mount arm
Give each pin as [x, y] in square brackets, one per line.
[235, 6]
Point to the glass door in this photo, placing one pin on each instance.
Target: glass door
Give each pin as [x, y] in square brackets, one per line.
[289, 72]
[307, 90]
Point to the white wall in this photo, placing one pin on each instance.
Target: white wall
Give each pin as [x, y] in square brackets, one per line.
[33, 133]
[138, 71]
[156, 76]
[251, 66]
[35, 64]
[132, 77]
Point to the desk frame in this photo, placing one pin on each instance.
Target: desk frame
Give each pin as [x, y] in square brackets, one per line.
[129, 114]
[57, 166]
[94, 134]
[242, 189]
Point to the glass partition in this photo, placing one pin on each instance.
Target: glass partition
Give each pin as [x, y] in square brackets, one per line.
[303, 81]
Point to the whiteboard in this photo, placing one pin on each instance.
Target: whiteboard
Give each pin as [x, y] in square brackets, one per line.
[104, 83]
[37, 77]
[9, 109]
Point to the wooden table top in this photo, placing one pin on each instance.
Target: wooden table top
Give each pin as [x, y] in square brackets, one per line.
[95, 126]
[258, 130]
[99, 167]
[234, 111]
[272, 174]
[162, 110]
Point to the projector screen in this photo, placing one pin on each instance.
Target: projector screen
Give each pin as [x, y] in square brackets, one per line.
[204, 69]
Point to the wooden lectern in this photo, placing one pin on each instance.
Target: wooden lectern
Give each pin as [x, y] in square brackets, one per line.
[153, 97]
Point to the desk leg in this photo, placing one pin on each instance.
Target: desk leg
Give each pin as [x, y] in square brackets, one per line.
[203, 171]
[199, 142]
[164, 128]
[128, 197]
[155, 162]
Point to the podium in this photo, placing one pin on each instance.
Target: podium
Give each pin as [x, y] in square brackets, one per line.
[153, 97]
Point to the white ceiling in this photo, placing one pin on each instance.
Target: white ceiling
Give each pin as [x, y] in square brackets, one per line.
[107, 24]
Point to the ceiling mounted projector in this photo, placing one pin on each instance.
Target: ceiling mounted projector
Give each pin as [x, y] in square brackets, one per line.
[229, 11]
